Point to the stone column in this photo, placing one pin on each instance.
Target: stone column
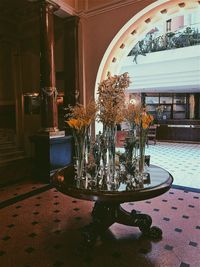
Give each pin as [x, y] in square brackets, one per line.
[50, 153]
[48, 90]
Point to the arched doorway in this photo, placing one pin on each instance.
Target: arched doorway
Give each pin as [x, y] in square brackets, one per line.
[178, 64]
[137, 27]
[160, 12]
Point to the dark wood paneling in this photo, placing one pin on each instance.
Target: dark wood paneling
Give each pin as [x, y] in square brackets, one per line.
[7, 116]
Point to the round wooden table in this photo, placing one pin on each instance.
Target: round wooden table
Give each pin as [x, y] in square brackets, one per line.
[108, 199]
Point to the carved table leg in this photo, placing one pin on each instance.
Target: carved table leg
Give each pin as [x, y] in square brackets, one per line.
[104, 214]
[143, 221]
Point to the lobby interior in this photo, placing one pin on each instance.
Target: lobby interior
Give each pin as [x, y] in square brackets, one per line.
[54, 54]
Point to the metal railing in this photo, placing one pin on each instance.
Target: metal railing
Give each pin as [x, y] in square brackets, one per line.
[187, 36]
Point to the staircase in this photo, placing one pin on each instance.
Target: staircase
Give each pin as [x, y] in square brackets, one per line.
[8, 149]
[14, 164]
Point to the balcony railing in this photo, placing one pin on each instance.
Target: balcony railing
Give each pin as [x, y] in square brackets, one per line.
[185, 37]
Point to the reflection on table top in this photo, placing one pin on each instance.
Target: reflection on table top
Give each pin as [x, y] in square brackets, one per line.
[156, 182]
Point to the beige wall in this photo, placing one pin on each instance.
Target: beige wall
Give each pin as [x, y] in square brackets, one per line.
[98, 32]
[97, 28]
[96, 3]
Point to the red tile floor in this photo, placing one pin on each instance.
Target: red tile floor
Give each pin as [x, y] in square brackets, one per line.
[40, 227]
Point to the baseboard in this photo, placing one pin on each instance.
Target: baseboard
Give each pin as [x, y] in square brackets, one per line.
[186, 188]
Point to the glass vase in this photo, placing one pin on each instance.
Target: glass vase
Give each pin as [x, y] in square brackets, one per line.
[80, 150]
[130, 145]
[108, 156]
[141, 154]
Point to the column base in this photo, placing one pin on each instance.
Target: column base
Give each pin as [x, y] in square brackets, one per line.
[51, 152]
[51, 132]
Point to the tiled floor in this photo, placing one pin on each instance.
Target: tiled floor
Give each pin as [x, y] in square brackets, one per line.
[18, 189]
[40, 227]
[44, 230]
[181, 160]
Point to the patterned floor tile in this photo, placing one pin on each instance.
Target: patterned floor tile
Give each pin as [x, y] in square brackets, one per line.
[54, 239]
[180, 159]
[47, 226]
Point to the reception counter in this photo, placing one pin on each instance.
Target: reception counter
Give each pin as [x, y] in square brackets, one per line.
[179, 130]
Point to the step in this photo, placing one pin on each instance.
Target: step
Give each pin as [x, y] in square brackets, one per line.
[11, 155]
[8, 161]
[7, 144]
[3, 138]
[8, 149]
[7, 134]
[15, 170]
[7, 131]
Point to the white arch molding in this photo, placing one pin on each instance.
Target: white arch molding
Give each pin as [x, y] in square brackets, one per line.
[136, 27]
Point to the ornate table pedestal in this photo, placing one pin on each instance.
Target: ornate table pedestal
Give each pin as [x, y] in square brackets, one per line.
[104, 214]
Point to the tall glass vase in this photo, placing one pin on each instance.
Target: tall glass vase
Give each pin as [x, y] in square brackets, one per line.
[109, 154]
[80, 150]
[142, 143]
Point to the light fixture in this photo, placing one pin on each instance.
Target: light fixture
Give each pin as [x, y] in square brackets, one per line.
[132, 101]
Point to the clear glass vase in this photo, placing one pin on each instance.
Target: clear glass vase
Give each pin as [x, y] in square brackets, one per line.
[80, 141]
[108, 153]
[142, 142]
[141, 154]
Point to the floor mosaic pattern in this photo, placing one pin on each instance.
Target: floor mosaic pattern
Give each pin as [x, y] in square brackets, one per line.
[44, 230]
[40, 227]
[181, 160]
[18, 189]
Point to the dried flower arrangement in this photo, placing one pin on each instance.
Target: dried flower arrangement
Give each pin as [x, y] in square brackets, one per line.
[130, 114]
[98, 162]
[80, 119]
[136, 115]
[111, 98]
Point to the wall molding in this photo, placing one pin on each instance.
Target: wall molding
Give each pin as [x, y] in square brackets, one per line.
[85, 13]
[106, 7]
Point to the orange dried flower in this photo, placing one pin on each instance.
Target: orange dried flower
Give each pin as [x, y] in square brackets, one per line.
[81, 117]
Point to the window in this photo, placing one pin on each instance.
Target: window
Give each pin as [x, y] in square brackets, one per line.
[168, 25]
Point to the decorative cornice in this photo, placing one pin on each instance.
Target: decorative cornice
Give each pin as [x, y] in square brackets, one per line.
[96, 10]
[50, 5]
[106, 7]
[65, 7]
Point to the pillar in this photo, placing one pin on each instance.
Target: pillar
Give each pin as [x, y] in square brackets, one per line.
[48, 91]
[71, 61]
[53, 150]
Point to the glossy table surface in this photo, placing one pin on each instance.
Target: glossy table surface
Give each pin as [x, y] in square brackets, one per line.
[157, 182]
